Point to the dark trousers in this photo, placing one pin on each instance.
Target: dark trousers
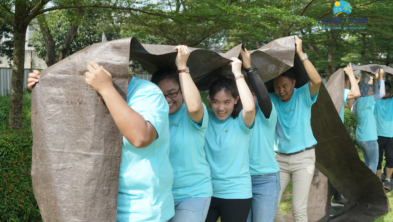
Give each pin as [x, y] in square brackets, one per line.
[385, 144]
[230, 210]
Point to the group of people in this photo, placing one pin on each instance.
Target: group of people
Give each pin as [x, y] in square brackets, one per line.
[183, 162]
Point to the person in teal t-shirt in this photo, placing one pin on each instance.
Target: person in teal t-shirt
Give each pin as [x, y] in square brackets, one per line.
[383, 113]
[188, 121]
[227, 144]
[348, 99]
[263, 165]
[146, 176]
[295, 140]
[366, 130]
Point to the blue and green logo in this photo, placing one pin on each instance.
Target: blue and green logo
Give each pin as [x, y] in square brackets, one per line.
[342, 7]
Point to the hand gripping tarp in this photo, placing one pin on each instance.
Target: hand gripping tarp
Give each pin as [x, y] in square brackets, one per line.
[77, 146]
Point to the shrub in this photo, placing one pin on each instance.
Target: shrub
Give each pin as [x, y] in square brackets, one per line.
[16, 192]
[5, 110]
[351, 123]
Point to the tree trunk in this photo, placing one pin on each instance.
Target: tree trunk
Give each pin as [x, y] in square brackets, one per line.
[331, 52]
[363, 55]
[71, 35]
[15, 115]
[50, 57]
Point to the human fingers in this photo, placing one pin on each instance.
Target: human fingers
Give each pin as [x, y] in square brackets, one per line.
[95, 65]
[30, 85]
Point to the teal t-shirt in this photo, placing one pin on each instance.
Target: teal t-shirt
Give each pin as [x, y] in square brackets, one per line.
[261, 151]
[145, 181]
[345, 95]
[187, 155]
[293, 128]
[383, 113]
[366, 129]
[227, 143]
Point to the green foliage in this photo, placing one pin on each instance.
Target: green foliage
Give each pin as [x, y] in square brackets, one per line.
[5, 109]
[351, 123]
[16, 192]
[7, 45]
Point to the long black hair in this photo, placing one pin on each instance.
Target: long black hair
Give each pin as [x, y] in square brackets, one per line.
[229, 86]
[162, 74]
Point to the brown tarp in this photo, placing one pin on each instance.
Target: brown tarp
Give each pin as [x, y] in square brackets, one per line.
[77, 146]
[373, 68]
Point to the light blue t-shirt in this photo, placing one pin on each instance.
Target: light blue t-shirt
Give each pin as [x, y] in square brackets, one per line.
[345, 95]
[261, 151]
[293, 128]
[383, 113]
[187, 155]
[366, 129]
[145, 181]
[227, 143]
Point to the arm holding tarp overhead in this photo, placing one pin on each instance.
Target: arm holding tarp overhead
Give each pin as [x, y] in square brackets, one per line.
[144, 133]
[265, 104]
[350, 101]
[381, 93]
[355, 91]
[315, 78]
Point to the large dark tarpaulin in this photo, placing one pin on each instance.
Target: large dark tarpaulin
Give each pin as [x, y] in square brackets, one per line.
[77, 146]
[373, 68]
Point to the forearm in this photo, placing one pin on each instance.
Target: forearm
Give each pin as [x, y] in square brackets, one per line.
[191, 96]
[381, 93]
[245, 96]
[355, 91]
[265, 104]
[130, 123]
[349, 103]
[315, 78]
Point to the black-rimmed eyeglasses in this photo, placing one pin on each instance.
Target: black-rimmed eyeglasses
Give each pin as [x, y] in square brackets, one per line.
[172, 95]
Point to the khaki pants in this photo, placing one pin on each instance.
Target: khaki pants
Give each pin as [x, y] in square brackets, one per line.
[301, 168]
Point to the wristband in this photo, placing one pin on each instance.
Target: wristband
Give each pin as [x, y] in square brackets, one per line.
[183, 70]
[239, 77]
[249, 69]
[304, 58]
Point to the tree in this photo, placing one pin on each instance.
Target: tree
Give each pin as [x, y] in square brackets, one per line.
[19, 14]
[7, 41]
[59, 34]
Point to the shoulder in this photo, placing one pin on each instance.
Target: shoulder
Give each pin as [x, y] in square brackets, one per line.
[148, 87]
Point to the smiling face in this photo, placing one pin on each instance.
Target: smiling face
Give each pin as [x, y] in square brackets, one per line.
[169, 87]
[284, 87]
[223, 104]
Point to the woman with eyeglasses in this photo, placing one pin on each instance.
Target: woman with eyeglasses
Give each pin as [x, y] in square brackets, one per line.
[227, 143]
[188, 120]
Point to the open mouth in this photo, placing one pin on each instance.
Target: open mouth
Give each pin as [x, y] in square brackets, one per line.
[171, 105]
[221, 113]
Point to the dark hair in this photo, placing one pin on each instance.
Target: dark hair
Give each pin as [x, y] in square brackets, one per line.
[290, 74]
[162, 74]
[388, 84]
[229, 85]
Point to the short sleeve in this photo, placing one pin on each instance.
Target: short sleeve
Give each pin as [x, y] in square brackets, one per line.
[345, 96]
[205, 120]
[272, 120]
[304, 93]
[152, 106]
[246, 129]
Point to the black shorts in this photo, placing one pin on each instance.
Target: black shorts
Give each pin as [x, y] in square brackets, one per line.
[230, 210]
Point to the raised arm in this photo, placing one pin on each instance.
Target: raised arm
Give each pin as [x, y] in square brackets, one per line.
[244, 93]
[191, 95]
[315, 78]
[132, 125]
[355, 91]
[381, 93]
[265, 104]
